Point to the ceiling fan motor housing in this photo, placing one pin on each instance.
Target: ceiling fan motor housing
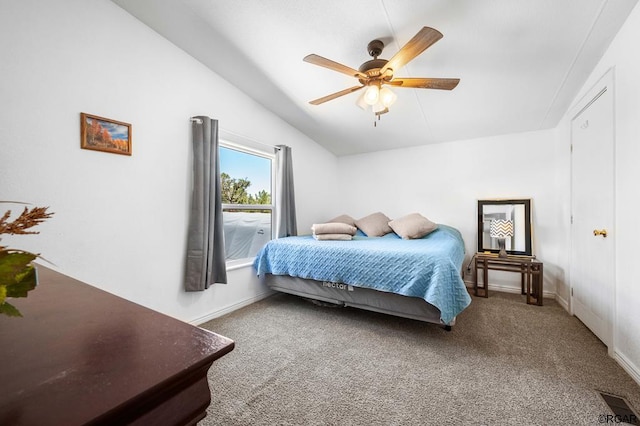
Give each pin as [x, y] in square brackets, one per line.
[373, 66]
[372, 69]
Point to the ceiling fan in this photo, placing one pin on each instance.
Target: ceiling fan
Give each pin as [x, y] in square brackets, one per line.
[376, 73]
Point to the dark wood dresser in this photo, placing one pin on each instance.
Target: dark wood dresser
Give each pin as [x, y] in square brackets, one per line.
[80, 355]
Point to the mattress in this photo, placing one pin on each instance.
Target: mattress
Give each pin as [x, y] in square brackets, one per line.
[357, 297]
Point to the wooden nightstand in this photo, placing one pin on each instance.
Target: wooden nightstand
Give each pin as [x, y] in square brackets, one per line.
[530, 269]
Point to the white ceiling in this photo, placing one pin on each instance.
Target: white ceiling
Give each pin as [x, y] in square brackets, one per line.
[520, 62]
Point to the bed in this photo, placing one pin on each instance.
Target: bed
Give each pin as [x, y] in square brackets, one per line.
[418, 278]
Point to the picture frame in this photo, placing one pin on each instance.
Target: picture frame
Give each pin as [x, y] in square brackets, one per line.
[516, 210]
[104, 134]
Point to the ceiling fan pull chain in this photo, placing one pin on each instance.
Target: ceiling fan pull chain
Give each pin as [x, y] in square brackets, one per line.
[376, 115]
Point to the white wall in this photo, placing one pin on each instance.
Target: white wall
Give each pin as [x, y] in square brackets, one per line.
[444, 181]
[623, 57]
[120, 222]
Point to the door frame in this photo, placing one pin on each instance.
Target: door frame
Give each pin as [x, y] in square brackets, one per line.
[604, 83]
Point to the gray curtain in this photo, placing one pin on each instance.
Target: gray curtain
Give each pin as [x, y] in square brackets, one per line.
[285, 199]
[205, 243]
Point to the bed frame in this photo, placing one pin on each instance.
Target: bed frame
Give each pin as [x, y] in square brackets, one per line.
[357, 297]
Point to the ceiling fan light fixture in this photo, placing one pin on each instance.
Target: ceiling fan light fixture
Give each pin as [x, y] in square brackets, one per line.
[372, 94]
[387, 97]
[361, 102]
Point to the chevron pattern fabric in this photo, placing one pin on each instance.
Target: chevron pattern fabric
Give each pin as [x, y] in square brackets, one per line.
[501, 228]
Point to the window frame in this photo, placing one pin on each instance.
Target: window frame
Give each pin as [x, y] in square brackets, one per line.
[271, 156]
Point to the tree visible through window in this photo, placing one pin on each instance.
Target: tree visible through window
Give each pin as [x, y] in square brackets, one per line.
[246, 180]
[234, 191]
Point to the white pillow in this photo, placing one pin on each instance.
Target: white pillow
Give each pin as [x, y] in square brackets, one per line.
[412, 226]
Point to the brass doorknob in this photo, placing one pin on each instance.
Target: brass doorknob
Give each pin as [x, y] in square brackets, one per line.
[602, 232]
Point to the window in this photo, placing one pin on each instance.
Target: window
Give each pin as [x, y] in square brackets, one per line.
[247, 203]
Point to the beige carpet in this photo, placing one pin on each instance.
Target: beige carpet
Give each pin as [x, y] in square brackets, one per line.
[504, 363]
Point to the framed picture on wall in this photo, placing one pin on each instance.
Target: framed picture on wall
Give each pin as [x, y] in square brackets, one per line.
[104, 134]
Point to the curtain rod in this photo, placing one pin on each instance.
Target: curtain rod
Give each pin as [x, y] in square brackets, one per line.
[199, 121]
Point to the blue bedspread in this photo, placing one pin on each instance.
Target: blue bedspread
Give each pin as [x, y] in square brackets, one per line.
[428, 268]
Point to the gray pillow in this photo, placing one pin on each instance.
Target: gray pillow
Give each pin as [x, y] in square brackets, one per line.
[374, 225]
[412, 226]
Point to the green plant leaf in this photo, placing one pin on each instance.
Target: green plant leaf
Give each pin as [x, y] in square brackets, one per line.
[9, 310]
[14, 265]
[26, 281]
[3, 293]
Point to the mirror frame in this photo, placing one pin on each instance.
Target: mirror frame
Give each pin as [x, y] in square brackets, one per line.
[527, 220]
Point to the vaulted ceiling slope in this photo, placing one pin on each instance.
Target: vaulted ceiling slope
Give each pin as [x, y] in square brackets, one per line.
[520, 62]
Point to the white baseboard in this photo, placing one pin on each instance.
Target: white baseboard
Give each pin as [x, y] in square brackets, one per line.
[563, 302]
[230, 308]
[628, 366]
[511, 289]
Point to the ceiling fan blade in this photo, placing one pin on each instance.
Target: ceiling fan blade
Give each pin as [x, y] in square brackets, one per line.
[335, 95]
[332, 65]
[426, 83]
[418, 44]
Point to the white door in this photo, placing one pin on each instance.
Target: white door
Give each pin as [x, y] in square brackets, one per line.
[592, 271]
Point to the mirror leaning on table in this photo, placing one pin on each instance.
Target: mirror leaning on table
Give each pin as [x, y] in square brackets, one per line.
[505, 220]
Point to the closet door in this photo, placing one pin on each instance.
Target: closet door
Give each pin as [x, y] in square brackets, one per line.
[592, 271]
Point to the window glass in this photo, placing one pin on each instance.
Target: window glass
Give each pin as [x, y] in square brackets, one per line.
[246, 179]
